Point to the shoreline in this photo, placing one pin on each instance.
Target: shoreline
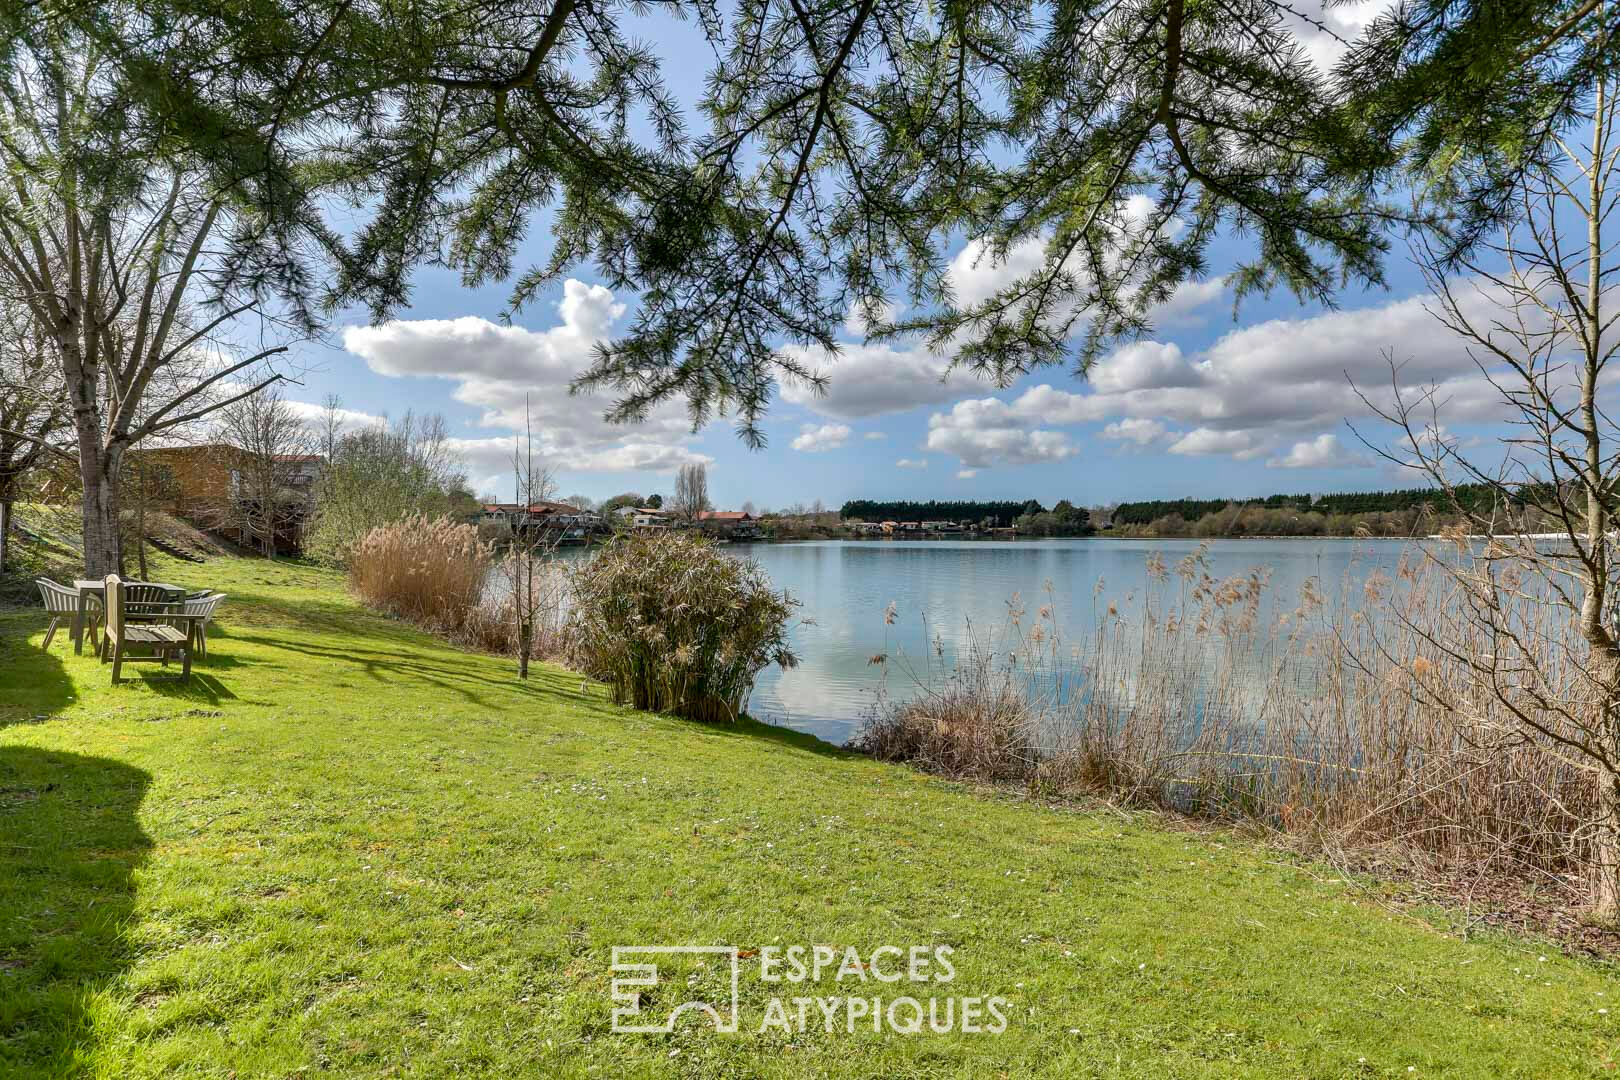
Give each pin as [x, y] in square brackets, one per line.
[1046, 539]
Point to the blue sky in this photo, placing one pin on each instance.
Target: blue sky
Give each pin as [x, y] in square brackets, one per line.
[1205, 406]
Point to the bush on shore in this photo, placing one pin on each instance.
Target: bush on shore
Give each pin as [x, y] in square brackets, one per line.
[675, 625]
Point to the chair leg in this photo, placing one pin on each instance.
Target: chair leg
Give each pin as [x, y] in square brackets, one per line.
[117, 661]
[50, 631]
[185, 674]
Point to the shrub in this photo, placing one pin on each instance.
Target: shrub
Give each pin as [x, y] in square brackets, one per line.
[674, 625]
[980, 725]
[430, 571]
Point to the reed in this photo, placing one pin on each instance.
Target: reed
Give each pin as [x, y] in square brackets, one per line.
[430, 571]
[1313, 717]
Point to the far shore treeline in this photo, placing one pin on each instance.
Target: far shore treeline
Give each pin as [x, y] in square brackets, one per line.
[1385, 513]
[1471, 496]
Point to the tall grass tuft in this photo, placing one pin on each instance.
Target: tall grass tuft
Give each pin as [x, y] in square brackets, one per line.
[674, 625]
[1210, 697]
[430, 571]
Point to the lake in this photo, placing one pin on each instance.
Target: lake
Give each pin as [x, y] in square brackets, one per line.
[941, 588]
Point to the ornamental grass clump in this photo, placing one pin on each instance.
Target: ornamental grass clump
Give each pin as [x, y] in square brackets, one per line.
[675, 625]
[429, 571]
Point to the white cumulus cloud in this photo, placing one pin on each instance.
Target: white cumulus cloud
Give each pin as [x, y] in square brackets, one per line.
[813, 439]
[1322, 452]
[498, 368]
[987, 431]
[1139, 432]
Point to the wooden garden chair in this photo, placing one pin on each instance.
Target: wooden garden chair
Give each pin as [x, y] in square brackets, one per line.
[127, 602]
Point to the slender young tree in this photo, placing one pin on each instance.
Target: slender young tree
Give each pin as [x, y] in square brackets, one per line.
[1533, 630]
[530, 575]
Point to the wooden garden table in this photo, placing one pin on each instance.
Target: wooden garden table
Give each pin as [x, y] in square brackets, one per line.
[88, 587]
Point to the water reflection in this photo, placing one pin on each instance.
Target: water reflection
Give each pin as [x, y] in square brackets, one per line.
[945, 594]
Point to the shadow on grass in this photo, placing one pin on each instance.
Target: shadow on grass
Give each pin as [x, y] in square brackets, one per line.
[202, 687]
[33, 681]
[748, 728]
[448, 675]
[70, 842]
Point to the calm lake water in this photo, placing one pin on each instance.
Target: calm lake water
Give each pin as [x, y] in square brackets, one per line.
[940, 589]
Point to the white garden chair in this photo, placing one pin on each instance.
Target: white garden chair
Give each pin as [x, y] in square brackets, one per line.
[203, 606]
[62, 603]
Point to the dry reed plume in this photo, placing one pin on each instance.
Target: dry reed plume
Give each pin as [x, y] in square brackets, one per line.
[429, 571]
[1197, 695]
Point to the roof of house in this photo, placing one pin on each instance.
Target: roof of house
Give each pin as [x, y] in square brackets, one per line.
[725, 515]
[540, 507]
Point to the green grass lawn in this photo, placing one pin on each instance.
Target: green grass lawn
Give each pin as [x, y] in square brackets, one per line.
[348, 849]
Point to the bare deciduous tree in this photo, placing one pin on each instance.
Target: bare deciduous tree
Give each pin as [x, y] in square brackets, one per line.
[129, 271]
[271, 487]
[329, 427]
[1533, 627]
[691, 491]
[33, 416]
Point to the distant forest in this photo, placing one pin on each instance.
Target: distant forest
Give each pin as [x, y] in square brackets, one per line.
[1352, 502]
[1001, 513]
[1377, 513]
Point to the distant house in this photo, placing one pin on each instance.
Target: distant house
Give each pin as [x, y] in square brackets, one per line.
[189, 480]
[732, 524]
[543, 514]
[641, 517]
[205, 483]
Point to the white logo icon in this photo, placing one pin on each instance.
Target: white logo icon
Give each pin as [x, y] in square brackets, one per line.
[628, 976]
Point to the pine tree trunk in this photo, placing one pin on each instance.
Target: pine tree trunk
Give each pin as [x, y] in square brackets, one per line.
[5, 531]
